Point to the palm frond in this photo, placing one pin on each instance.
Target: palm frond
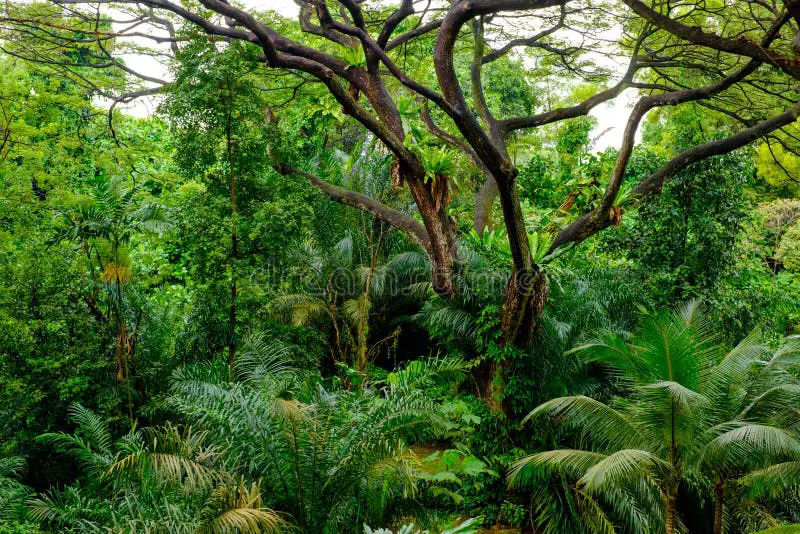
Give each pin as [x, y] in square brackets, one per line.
[622, 468]
[173, 455]
[238, 509]
[606, 428]
[262, 357]
[747, 444]
[95, 451]
[430, 372]
[541, 466]
[297, 309]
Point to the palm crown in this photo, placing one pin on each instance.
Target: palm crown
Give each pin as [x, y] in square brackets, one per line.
[696, 418]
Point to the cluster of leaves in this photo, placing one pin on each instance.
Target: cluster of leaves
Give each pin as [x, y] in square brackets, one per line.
[695, 423]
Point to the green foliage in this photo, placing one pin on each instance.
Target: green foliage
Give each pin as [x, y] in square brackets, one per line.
[329, 459]
[12, 493]
[354, 395]
[788, 252]
[685, 238]
[693, 417]
[356, 294]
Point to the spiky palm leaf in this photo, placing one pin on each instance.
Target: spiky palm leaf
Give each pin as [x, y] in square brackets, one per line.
[69, 511]
[173, 455]
[237, 509]
[93, 448]
[12, 492]
[694, 414]
[430, 372]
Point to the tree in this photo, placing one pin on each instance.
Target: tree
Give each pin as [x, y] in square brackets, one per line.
[102, 227]
[789, 251]
[212, 97]
[353, 294]
[357, 51]
[685, 238]
[57, 329]
[694, 419]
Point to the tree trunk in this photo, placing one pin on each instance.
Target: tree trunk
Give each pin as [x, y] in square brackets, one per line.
[484, 201]
[719, 503]
[443, 247]
[234, 235]
[526, 292]
[525, 297]
[669, 516]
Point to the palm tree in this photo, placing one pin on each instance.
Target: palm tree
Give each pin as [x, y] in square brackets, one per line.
[695, 418]
[330, 459]
[352, 294]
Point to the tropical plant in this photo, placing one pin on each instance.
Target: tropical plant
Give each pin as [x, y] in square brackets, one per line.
[329, 459]
[170, 477]
[355, 294]
[12, 491]
[695, 419]
[470, 526]
[102, 226]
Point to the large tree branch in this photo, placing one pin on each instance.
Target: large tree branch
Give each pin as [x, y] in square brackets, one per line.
[793, 7]
[647, 103]
[306, 24]
[571, 112]
[371, 47]
[594, 221]
[673, 98]
[405, 223]
[413, 34]
[405, 10]
[696, 35]
[655, 182]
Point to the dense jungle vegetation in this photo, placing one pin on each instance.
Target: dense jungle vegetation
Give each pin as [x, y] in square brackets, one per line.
[372, 269]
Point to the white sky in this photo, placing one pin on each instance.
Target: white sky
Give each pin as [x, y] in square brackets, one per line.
[611, 117]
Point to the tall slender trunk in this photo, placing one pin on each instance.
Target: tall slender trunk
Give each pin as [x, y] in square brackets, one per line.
[669, 515]
[363, 323]
[673, 484]
[719, 503]
[234, 235]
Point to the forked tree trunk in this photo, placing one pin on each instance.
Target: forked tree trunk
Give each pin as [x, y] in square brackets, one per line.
[443, 247]
[525, 297]
[526, 292]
